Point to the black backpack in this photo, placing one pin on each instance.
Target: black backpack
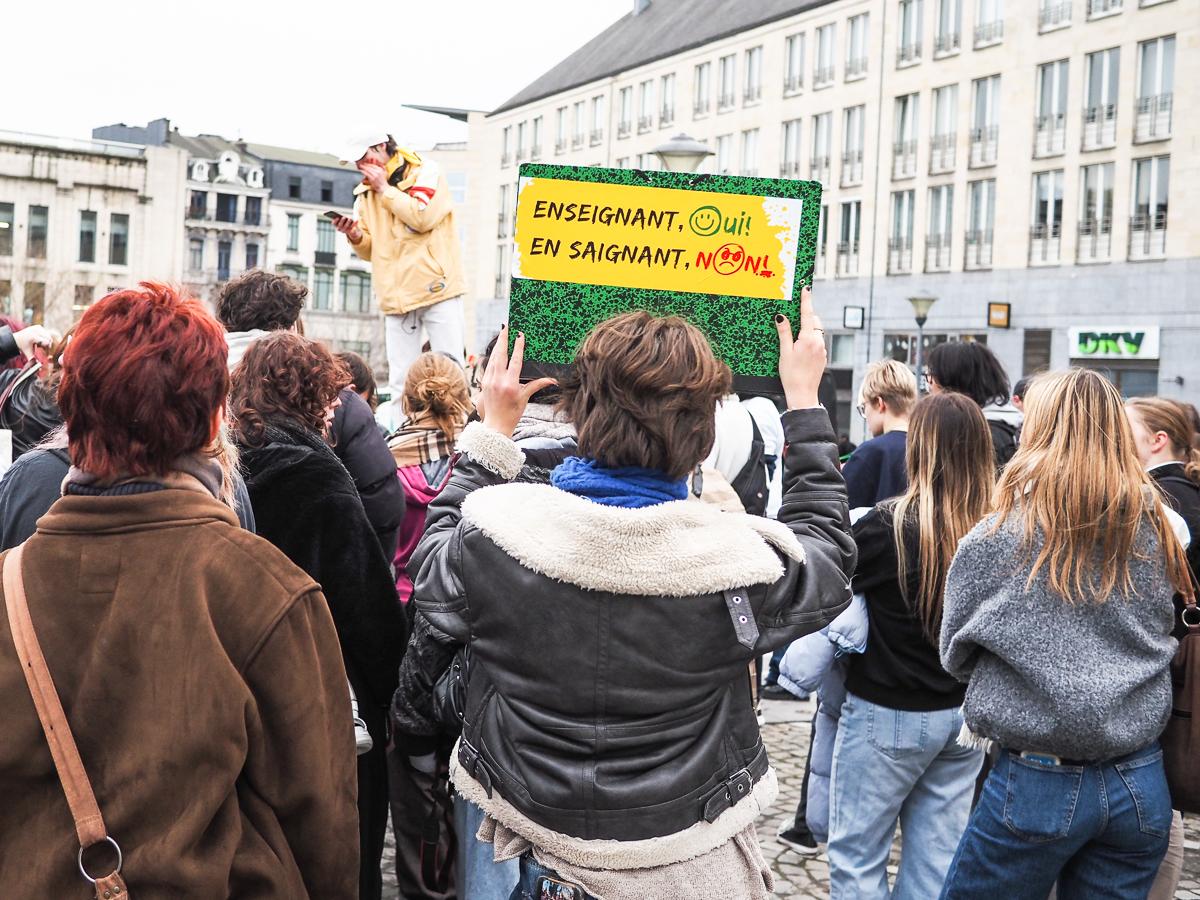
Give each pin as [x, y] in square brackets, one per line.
[750, 483]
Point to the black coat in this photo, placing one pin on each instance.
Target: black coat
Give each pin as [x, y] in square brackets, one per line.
[305, 504]
[363, 450]
[1182, 495]
[608, 694]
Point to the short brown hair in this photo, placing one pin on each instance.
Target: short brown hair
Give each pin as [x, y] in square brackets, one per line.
[643, 392]
[893, 383]
[284, 379]
[258, 300]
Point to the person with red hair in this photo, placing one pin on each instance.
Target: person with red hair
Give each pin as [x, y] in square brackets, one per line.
[285, 393]
[189, 653]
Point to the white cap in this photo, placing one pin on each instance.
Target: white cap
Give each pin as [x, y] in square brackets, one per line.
[355, 147]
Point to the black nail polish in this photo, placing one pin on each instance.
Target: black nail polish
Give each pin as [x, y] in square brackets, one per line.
[778, 318]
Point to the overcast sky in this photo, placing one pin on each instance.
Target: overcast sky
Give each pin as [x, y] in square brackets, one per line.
[296, 73]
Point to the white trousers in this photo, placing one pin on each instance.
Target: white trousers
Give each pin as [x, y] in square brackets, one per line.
[441, 323]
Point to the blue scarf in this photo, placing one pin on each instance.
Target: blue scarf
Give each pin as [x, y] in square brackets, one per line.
[629, 486]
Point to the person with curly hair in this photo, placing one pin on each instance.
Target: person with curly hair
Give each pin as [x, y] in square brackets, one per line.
[285, 392]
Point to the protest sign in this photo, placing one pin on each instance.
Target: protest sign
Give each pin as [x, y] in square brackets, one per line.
[727, 253]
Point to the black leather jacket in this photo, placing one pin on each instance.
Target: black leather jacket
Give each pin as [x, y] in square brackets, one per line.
[598, 711]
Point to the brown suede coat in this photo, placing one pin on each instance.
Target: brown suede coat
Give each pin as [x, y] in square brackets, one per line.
[201, 676]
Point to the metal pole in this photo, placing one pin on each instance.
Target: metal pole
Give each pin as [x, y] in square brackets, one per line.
[920, 356]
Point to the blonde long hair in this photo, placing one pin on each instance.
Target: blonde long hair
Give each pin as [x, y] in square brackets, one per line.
[1173, 420]
[1077, 480]
[435, 390]
[951, 472]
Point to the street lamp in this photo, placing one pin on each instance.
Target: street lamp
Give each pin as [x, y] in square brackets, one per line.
[682, 154]
[921, 303]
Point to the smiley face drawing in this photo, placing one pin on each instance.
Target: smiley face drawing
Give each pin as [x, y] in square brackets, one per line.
[705, 221]
[728, 258]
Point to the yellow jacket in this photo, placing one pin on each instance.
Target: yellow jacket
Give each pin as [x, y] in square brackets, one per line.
[410, 239]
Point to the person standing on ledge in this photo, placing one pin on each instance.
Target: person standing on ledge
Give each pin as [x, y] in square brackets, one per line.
[404, 226]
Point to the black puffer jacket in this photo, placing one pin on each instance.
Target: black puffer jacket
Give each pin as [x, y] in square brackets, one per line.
[1182, 495]
[363, 450]
[608, 695]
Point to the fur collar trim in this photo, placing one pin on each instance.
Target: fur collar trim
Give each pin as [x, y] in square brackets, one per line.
[491, 449]
[610, 854]
[674, 549]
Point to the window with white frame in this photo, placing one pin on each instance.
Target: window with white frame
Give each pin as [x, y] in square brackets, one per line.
[560, 129]
[793, 63]
[941, 228]
[701, 88]
[848, 237]
[989, 22]
[1155, 89]
[947, 36]
[822, 146]
[750, 151]
[943, 139]
[506, 136]
[597, 130]
[823, 72]
[981, 216]
[789, 166]
[853, 121]
[1101, 71]
[985, 120]
[1148, 225]
[625, 111]
[502, 215]
[753, 89]
[521, 129]
[645, 105]
[908, 49]
[1050, 125]
[856, 47]
[726, 82]
[724, 159]
[1095, 212]
[535, 138]
[904, 147]
[666, 90]
[900, 240]
[1046, 222]
[578, 123]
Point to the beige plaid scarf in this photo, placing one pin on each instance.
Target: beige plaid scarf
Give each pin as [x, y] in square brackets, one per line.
[419, 441]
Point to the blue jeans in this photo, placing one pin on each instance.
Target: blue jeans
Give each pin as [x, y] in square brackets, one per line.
[892, 765]
[479, 877]
[1101, 830]
[527, 888]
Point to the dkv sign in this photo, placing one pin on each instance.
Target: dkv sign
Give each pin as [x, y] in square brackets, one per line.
[1114, 342]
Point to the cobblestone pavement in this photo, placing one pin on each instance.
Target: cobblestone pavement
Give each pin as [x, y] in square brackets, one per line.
[786, 733]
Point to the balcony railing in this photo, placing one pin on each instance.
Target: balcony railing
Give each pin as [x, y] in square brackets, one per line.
[941, 153]
[1045, 243]
[726, 101]
[822, 76]
[789, 168]
[818, 169]
[947, 43]
[752, 93]
[1099, 127]
[989, 33]
[978, 254]
[505, 159]
[624, 129]
[520, 154]
[666, 116]
[984, 145]
[792, 84]
[904, 159]
[596, 137]
[852, 168]
[645, 123]
[1153, 121]
[535, 152]
[577, 141]
[560, 146]
[1049, 134]
[937, 253]
[847, 258]
[1054, 15]
[700, 108]
[856, 68]
[1094, 241]
[1148, 235]
[907, 54]
[1098, 8]
[899, 256]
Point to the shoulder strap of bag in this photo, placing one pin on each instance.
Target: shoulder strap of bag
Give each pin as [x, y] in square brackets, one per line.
[89, 824]
[31, 368]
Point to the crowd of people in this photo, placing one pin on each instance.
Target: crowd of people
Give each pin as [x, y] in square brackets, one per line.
[528, 624]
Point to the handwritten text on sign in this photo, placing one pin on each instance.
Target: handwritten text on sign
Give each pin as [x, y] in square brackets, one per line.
[656, 238]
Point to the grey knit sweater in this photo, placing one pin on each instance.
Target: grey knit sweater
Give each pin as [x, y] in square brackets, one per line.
[1084, 680]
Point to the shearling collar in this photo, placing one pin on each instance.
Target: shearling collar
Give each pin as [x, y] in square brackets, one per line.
[675, 549]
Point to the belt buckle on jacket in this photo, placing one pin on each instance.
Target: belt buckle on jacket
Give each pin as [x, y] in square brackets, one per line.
[474, 765]
[732, 790]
